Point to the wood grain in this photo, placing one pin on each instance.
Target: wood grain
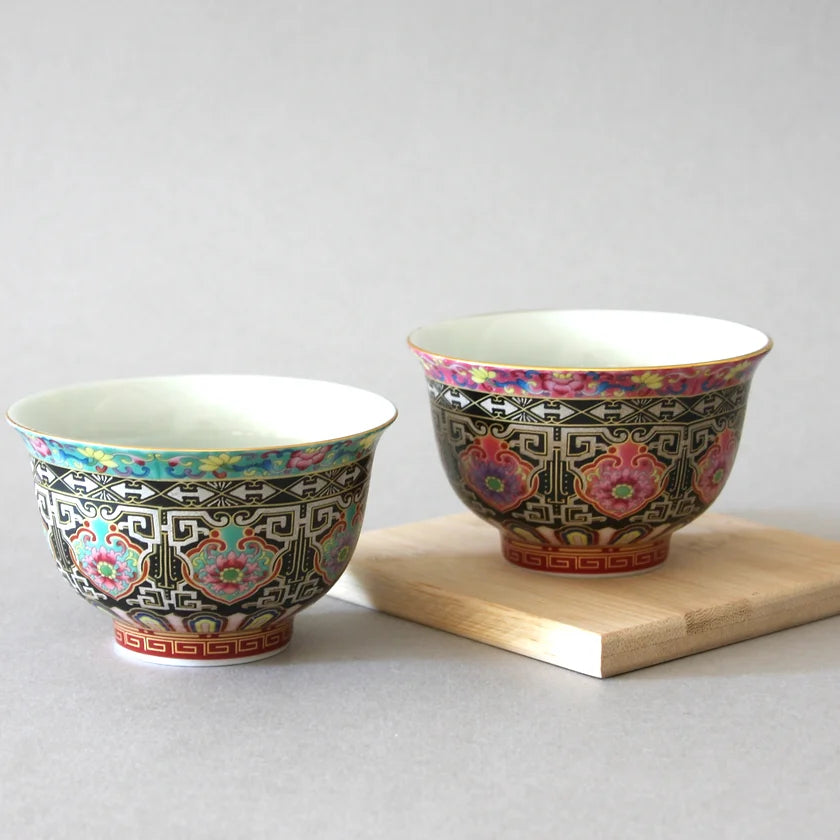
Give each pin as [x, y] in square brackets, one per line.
[726, 580]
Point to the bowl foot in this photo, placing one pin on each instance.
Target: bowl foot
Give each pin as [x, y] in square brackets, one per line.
[201, 649]
[587, 561]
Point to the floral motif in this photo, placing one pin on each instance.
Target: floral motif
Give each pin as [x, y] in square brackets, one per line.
[219, 464]
[106, 570]
[302, 459]
[498, 476]
[41, 447]
[559, 384]
[622, 480]
[714, 467]
[98, 457]
[589, 384]
[734, 373]
[230, 574]
[112, 564]
[649, 379]
[480, 375]
[337, 547]
[200, 465]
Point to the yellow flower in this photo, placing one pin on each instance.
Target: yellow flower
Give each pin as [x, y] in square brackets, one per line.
[368, 441]
[480, 375]
[735, 371]
[98, 456]
[649, 380]
[212, 463]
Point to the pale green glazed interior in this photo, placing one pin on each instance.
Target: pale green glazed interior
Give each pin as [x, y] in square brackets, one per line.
[203, 412]
[589, 339]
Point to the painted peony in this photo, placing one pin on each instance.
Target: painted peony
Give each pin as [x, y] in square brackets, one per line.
[229, 574]
[622, 480]
[40, 446]
[499, 477]
[305, 458]
[107, 571]
[619, 491]
[714, 467]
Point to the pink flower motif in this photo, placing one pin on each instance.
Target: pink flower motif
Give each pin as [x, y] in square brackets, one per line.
[40, 446]
[230, 573]
[714, 467]
[107, 570]
[622, 481]
[569, 384]
[619, 490]
[305, 458]
[572, 385]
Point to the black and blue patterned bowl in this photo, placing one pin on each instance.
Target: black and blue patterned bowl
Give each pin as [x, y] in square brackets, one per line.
[588, 437]
[202, 512]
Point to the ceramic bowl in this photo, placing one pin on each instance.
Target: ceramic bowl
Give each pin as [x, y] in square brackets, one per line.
[588, 437]
[202, 513]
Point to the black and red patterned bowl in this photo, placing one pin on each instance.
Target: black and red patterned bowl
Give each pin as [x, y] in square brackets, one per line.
[588, 437]
[202, 513]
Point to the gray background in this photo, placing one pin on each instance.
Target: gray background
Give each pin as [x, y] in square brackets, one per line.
[289, 188]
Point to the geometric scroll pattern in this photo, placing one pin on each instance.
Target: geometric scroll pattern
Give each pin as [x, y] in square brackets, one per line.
[618, 560]
[587, 472]
[191, 646]
[205, 557]
[640, 411]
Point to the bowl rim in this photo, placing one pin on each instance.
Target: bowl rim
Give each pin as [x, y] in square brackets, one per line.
[33, 432]
[755, 354]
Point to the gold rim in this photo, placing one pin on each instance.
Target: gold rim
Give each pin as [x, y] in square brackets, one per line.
[755, 354]
[158, 449]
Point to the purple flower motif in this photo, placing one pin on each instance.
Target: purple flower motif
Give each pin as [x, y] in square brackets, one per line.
[336, 551]
[496, 475]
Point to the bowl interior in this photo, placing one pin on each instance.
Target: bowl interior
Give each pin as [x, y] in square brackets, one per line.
[203, 412]
[589, 339]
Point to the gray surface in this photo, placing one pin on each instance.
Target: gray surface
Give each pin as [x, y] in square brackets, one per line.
[290, 188]
[368, 726]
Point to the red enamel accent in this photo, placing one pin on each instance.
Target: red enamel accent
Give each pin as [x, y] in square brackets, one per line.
[622, 480]
[713, 468]
[583, 562]
[204, 647]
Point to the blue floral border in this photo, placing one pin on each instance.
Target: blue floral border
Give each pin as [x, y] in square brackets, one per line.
[198, 466]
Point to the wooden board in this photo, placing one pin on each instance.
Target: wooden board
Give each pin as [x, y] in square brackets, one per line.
[726, 580]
